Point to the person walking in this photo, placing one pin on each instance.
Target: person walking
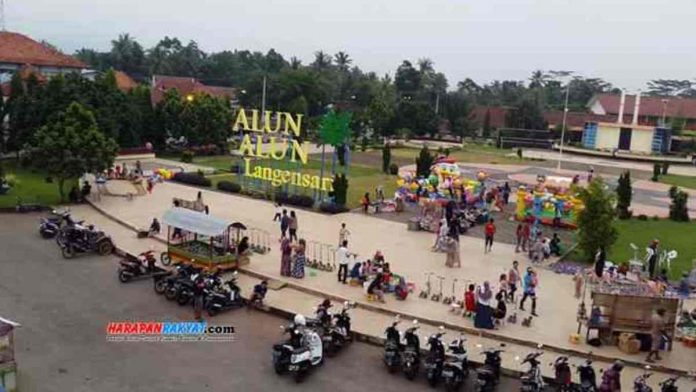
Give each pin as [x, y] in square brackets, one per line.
[343, 258]
[514, 280]
[600, 261]
[490, 233]
[293, 226]
[198, 295]
[284, 223]
[530, 284]
[611, 379]
[506, 193]
[298, 267]
[521, 241]
[343, 234]
[657, 325]
[285, 258]
[653, 251]
[278, 211]
[484, 311]
[452, 250]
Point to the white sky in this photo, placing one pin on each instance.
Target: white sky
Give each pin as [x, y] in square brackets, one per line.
[625, 42]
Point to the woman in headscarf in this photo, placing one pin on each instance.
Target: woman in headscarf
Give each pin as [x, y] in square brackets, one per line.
[452, 249]
[441, 236]
[298, 267]
[484, 312]
[286, 252]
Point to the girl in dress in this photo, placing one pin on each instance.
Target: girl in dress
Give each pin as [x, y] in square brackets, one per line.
[298, 267]
[286, 252]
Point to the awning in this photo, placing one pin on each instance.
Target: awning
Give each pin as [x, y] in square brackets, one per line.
[195, 222]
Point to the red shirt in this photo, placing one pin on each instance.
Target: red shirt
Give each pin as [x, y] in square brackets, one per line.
[490, 229]
[470, 301]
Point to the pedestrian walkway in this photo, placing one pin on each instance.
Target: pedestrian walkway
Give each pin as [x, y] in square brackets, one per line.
[369, 324]
[408, 254]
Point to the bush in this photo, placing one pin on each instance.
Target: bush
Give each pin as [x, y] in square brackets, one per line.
[363, 144]
[393, 169]
[229, 186]
[206, 149]
[656, 218]
[386, 157]
[678, 210]
[187, 156]
[642, 217]
[665, 167]
[235, 168]
[11, 180]
[519, 153]
[191, 179]
[447, 152]
[657, 169]
[294, 200]
[332, 208]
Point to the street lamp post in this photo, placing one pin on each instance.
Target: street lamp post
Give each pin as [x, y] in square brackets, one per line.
[563, 128]
[664, 112]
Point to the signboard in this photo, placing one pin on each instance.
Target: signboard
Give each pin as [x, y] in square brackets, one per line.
[283, 130]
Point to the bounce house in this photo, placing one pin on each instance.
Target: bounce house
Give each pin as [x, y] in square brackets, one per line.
[548, 204]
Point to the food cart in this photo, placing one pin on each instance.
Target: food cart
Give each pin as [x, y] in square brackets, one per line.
[202, 240]
[8, 366]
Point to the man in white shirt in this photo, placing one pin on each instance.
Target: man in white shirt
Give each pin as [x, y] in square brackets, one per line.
[343, 234]
[342, 255]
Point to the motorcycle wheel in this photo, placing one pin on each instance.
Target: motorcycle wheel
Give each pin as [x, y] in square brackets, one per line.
[171, 293]
[299, 376]
[123, 276]
[432, 380]
[160, 286]
[105, 247]
[46, 234]
[183, 298]
[410, 373]
[279, 368]
[67, 251]
[165, 259]
[450, 385]
[212, 312]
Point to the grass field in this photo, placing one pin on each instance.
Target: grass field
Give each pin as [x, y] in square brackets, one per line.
[672, 235]
[31, 187]
[681, 181]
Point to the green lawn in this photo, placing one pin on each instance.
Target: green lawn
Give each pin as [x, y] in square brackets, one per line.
[681, 181]
[672, 235]
[31, 187]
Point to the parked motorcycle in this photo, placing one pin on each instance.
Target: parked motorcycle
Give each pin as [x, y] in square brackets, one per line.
[163, 282]
[563, 374]
[532, 380]
[80, 239]
[186, 279]
[588, 377]
[138, 267]
[456, 369]
[392, 347]
[669, 385]
[435, 358]
[410, 363]
[340, 330]
[223, 298]
[302, 352]
[488, 375]
[640, 383]
[50, 227]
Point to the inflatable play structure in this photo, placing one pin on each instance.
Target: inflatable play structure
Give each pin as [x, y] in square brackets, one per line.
[550, 202]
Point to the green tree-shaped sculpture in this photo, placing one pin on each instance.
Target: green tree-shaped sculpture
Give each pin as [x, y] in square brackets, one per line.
[334, 130]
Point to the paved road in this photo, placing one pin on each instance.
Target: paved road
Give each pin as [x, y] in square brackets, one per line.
[64, 305]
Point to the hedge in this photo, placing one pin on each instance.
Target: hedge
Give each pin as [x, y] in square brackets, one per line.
[229, 186]
[294, 200]
[332, 208]
[192, 179]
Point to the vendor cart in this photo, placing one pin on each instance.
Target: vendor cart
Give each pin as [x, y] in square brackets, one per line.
[202, 240]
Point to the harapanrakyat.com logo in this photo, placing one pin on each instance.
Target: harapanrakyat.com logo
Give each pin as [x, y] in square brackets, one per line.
[168, 331]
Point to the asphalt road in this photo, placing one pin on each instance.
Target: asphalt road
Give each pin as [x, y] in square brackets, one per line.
[64, 306]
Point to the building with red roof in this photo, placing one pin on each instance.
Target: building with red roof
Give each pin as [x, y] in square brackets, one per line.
[651, 110]
[187, 86]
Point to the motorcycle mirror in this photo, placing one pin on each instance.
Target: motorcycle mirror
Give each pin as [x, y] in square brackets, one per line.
[415, 322]
[282, 327]
[397, 318]
[517, 358]
[346, 304]
[540, 346]
[479, 345]
[442, 328]
[647, 367]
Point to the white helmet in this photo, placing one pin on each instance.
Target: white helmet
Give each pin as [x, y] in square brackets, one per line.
[300, 320]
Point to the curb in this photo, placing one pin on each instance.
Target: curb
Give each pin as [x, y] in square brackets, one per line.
[436, 323]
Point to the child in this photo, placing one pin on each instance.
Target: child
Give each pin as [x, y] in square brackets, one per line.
[278, 210]
[503, 285]
[470, 301]
[579, 281]
[501, 309]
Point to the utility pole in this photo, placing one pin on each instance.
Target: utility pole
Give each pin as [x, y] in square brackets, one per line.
[437, 103]
[2, 15]
[263, 102]
[563, 127]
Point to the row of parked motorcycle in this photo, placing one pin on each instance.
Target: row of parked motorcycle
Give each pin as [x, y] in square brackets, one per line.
[402, 352]
[311, 339]
[74, 237]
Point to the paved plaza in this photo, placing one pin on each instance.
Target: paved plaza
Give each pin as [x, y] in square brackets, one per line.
[407, 252]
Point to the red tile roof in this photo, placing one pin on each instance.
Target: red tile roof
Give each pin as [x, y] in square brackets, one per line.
[124, 82]
[20, 49]
[649, 106]
[24, 73]
[186, 86]
[497, 115]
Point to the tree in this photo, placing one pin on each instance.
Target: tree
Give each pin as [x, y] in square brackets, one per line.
[624, 194]
[596, 220]
[206, 120]
[127, 55]
[322, 60]
[380, 112]
[343, 61]
[487, 124]
[526, 115]
[386, 157]
[424, 161]
[407, 80]
[340, 186]
[71, 145]
[678, 209]
[458, 112]
[538, 79]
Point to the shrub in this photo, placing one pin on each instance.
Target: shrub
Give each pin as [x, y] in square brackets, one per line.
[11, 180]
[340, 186]
[229, 186]
[332, 208]
[642, 217]
[656, 218]
[363, 144]
[191, 179]
[447, 152]
[678, 210]
[519, 153]
[393, 169]
[657, 168]
[294, 200]
[665, 167]
[235, 168]
[187, 156]
[386, 157]
[423, 162]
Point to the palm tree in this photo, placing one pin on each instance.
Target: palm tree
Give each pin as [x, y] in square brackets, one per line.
[321, 60]
[425, 65]
[343, 60]
[295, 63]
[538, 79]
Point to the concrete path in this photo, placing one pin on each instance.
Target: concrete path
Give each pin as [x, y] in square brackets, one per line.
[367, 322]
[407, 252]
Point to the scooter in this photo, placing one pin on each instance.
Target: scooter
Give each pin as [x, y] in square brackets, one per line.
[410, 363]
[588, 377]
[340, 331]
[563, 375]
[227, 297]
[437, 297]
[669, 385]
[164, 281]
[302, 352]
[425, 294]
[456, 369]
[392, 347]
[488, 375]
[85, 240]
[451, 299]
[435, 358]
[640, 383]
[50, 227]
[138, 267]
[532, 380]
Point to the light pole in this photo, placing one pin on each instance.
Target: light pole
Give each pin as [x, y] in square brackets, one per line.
[664, 112]
[563, 127]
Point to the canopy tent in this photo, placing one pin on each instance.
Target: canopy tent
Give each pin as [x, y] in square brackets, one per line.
[195, 222]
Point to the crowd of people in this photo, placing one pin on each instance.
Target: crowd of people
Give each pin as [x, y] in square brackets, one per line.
[530, 239]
